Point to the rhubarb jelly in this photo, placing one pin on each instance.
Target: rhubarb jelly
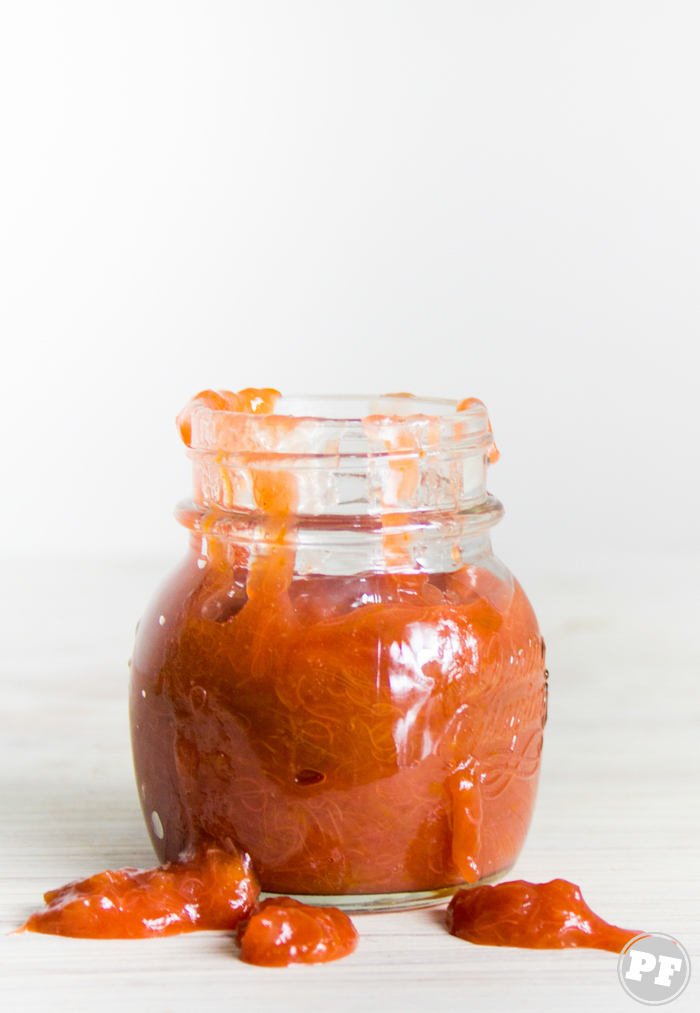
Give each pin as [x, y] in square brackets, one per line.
[340, 678]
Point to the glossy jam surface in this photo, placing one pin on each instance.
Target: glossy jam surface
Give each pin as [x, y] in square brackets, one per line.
[373, 732]
[284, 931]
[539, 916]
[213, 890]
[354, 735]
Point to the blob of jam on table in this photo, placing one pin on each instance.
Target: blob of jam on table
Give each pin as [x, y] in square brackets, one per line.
[212, 890]
[284, 931]
[218, 890]
[538, 916]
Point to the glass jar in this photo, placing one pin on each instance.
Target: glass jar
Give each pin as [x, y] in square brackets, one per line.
[340, 677]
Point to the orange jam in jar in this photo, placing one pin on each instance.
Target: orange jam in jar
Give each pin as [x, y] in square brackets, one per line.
[340, 678]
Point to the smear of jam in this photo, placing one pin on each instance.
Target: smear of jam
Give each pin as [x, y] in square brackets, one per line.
[284, 931]
[212, 890]
[251, 400]
[469, 402]
[538, 916]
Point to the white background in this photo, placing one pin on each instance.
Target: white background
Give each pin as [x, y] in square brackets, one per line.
[456, 198]
[486, 198]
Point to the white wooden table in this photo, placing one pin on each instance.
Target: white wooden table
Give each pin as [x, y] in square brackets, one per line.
[618, 810]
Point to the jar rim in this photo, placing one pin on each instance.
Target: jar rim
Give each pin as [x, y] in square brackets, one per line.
[310, 406]
[385, 455]
[321, 425]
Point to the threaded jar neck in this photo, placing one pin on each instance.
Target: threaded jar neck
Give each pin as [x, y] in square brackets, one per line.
[318, 456]
[393, 473]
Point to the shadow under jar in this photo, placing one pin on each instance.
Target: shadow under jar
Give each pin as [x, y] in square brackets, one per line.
[341, 678]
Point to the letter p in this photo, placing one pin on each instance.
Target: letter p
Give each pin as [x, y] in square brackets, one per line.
[641, 962]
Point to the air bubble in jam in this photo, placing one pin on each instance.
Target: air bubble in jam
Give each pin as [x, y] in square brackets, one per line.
[157, 825]
[198, 697]
[308, 777]
[221, 607]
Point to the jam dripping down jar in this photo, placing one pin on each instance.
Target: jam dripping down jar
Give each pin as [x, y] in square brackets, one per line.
[340, 677]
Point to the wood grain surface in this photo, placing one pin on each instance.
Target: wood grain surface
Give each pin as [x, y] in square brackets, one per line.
[618, 810]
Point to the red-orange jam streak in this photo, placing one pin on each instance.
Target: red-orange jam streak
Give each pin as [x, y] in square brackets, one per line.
[283, 931]
[360, 734]
[404, 453]
[538, 916]
[469, 402]
[251, 400]
[212, 890]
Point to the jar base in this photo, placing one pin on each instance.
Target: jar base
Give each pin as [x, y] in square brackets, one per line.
[384, 902]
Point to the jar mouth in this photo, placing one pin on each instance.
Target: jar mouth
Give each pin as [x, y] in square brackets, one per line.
[323, 455]
[336, 425]
[355, 408]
